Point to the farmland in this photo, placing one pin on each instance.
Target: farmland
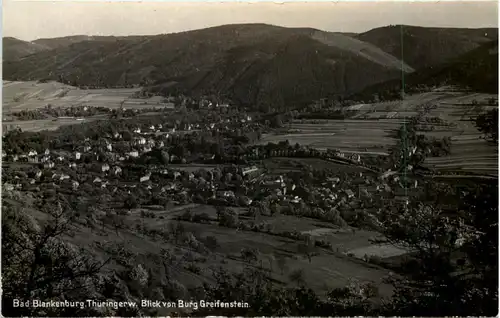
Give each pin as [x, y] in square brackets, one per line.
[18, 96]
[33, 95]
[370, 131]
[469, 151]
[351, 136]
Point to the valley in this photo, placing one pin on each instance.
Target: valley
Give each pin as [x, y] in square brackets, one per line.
[290, 169]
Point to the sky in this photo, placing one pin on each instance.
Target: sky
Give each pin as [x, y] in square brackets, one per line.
[30, 20]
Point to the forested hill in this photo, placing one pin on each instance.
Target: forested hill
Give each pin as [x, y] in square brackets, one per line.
[476, 70]
[254, 64]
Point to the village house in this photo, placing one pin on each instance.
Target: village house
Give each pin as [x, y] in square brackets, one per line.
[133, 154]
[145, 178]
[78, 156]
[296, 199]
[49, 165]
[140, 141]
[105, 167]
[97, 180]
[47, 152]
[169, 187]
[349, 193]
[117, 170]
[225, 194]
[249, 170]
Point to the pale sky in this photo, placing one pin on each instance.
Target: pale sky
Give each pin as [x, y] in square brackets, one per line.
[30, 20]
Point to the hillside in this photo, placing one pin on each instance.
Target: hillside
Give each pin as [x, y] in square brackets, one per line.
[477, 69]
[54, 43]
[423, 46]
[254, 64]
[250, 62]
[14, 48]
[288, 73]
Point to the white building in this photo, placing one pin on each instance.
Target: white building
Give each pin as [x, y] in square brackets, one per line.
[134, 154]
[145, 178]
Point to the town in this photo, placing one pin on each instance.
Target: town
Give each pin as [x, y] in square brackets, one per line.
[251, 170]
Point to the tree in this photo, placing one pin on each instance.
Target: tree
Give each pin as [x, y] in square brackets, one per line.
[281, 263]
[37, 264]
[165, 157]
[228, 218]
[452, 266]
[131, 202]
[249, 254]
[307, 247]
[297, 276]
[488, 124]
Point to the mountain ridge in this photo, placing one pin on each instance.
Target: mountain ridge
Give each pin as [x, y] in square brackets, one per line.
[252, 63]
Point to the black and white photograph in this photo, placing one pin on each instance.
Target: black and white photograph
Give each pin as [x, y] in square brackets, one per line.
[249, 159]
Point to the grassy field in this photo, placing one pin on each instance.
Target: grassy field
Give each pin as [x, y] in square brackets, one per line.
[350, 136]
[283, 165]
[31, 95]
[370, 130]
[469, 152]
[326, 270]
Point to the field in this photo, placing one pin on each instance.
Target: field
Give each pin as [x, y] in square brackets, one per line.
[17, 96]
[46, 124]
[32, 95]
[277, 166]
[350, 136]
[469, 151]
[370, 130]
[187, 265]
